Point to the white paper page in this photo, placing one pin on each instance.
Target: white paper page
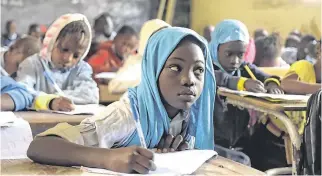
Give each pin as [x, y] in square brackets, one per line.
[105, 75]
[89, 109]
[15, 140]
[7, 118]
[282, 97]
[184, 162]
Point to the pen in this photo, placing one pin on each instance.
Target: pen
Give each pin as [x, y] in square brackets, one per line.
[52, 81]
[137, 122]
[250, 72]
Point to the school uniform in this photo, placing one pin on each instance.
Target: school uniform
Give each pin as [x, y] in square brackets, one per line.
[105, 59]
[76, 82]
[115, 127]
[231, 123]
[18, 93]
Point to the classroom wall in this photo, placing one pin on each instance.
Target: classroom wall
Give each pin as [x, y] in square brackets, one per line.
[273, 15]
[25, 12]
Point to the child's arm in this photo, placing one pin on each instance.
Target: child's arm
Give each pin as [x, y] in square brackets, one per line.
[226, 80]
[99, 62]
[260, 75]
[84, 89]
[7, 104]
[112, 126]
[238, 83]
[57, 151]
[292, 85]
[12, 92]
[271, 83]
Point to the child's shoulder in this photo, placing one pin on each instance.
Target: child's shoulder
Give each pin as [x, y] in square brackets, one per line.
[83, 66]
[32, 61]
[120, 109]
[302, 64]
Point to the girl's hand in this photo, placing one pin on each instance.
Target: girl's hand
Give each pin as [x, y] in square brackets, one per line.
[170, 143]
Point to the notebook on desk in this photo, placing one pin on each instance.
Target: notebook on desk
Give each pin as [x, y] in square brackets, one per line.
[176, 163]
[90, 109]
[267, 96]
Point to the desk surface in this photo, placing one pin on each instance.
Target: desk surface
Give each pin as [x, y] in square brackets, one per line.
[218, 166]
[105, 96]
[296, 106]
[46, 117]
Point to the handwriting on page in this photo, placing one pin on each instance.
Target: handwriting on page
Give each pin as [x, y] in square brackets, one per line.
[184, 162]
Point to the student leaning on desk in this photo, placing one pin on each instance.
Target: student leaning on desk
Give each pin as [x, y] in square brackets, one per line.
[183, 109]
[227, 47]
[304, 77]
[60, 62]
[15, 97]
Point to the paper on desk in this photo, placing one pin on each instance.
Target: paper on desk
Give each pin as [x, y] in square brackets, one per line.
[15, 139]
[7, 118]
[184, 162]
[89, 109]
[270, 97]
[105, 75]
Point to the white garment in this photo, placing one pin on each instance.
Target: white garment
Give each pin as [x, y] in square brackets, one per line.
[112, 127]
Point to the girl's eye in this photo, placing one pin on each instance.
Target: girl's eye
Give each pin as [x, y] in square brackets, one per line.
[75, 56]
[199, 71]
[227, 54]
[240, 55]
[174, 68]
[65, 50]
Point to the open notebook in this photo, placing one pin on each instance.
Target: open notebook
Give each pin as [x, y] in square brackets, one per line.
[90, 109]
[177, 163]
[269, 97]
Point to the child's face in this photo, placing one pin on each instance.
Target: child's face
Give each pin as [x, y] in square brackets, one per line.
[13, 58]
[12, 28]
[182, 77]
[68, 51]
[125, 45]
[37, 33]
[231, 55]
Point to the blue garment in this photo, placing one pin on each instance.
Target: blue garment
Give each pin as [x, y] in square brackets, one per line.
[153, 116]
[19, 94]
[227, 31]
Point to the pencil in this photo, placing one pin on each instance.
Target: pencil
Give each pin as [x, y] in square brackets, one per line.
[250, 72]
[137, 123]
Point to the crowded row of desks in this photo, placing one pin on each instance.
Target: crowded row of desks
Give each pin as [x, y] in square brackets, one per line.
[40, 121]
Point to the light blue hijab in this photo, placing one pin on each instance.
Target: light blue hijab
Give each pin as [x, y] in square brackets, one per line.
[153, 116]
[227, 31]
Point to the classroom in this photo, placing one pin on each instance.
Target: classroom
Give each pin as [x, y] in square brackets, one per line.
[160, 87]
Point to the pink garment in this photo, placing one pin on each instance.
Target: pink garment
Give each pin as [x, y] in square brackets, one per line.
[250, 51]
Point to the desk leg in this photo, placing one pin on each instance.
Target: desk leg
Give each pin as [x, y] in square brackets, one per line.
[295, 139]
[290, 127]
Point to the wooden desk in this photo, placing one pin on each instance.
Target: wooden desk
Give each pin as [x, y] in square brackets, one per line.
[41, 121]
[218, 166]
[277, 110]
[105, 96]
